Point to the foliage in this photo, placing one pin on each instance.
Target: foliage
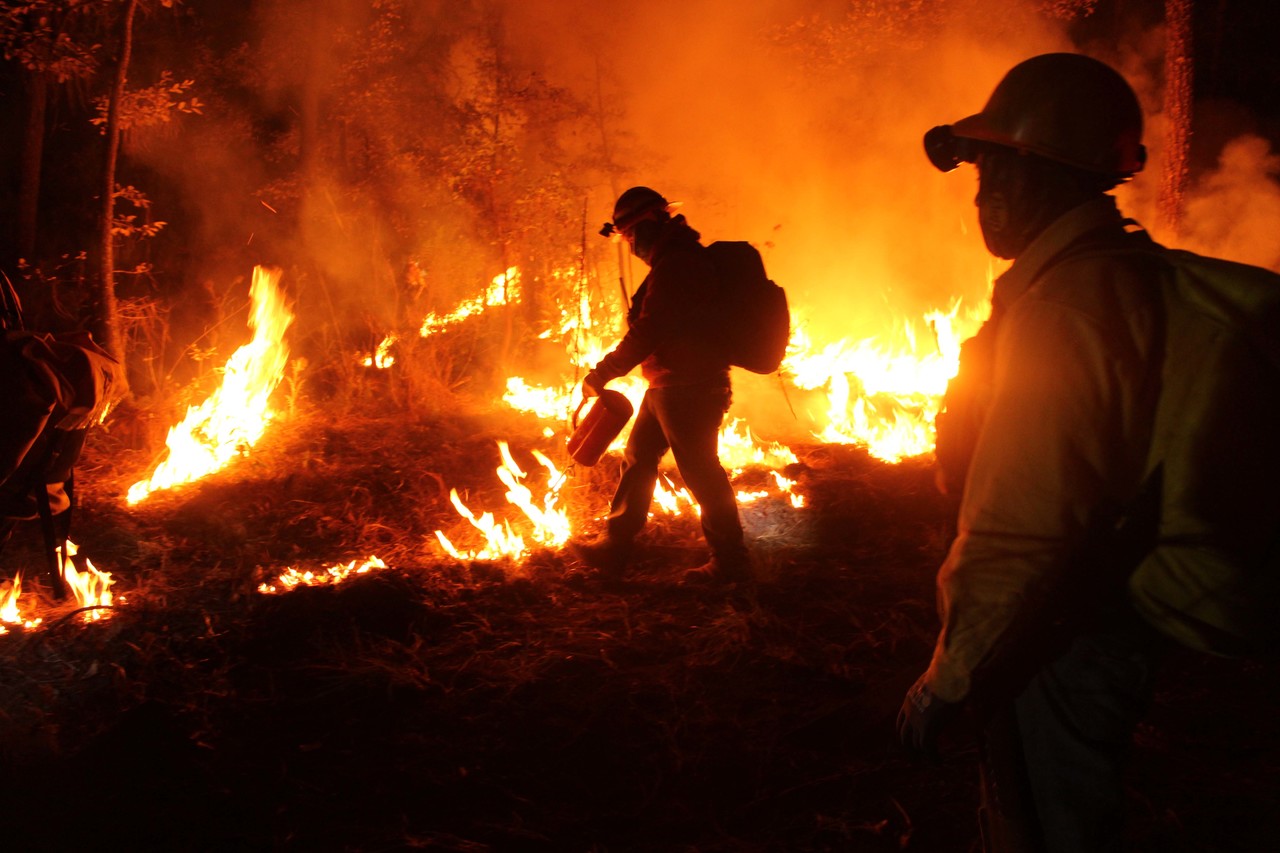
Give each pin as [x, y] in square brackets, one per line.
[52, 38]
[152, 105]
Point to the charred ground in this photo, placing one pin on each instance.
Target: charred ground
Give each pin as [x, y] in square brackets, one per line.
[435, 705]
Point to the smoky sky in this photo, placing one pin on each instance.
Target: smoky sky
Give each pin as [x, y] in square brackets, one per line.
[794, 124]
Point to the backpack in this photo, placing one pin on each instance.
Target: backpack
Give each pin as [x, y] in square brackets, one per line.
[1212, 578]
[55, 387]
[755, 322]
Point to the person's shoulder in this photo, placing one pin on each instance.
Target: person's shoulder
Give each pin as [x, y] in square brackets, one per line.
[685, 258]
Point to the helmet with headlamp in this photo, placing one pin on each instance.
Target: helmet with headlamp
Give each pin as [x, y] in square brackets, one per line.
[1065, 107]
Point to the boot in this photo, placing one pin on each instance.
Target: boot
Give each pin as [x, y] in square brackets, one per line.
[719, 571]
[608, 556]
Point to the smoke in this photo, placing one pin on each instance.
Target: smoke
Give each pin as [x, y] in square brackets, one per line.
[1234, 212]
[797, 126]
[793, 124]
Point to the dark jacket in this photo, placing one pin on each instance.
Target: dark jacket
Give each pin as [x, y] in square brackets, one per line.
[670, 316]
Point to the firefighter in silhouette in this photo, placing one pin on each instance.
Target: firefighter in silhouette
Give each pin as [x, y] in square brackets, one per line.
[687, 398]
[1045, 435]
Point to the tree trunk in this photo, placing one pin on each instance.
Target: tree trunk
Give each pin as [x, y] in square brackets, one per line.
[37, 91]
[1178, 79]
[105, 324]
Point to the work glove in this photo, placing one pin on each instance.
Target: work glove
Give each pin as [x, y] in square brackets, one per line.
[592, 385]
[922, 717]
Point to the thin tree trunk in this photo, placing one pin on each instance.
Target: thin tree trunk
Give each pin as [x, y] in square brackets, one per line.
[1178, 80]
[37, 90]
[106, 322]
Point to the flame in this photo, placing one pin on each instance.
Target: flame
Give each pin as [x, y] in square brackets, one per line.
[91, 588]
[10, 613]
[881, 396]
[291, 578]
[550, 525]
[382, 357]
[502, 290]
[230, 421]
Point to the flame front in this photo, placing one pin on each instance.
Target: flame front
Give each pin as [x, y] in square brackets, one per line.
[232, 420]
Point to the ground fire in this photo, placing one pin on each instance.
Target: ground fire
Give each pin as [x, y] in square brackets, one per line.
[324, 589]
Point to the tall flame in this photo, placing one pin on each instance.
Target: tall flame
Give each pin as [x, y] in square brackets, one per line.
[234, 417]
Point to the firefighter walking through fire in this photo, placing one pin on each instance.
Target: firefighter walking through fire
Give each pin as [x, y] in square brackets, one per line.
[1078, 433]
[687, 397]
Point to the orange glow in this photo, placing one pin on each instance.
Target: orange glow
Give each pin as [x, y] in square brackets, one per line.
[234, 417]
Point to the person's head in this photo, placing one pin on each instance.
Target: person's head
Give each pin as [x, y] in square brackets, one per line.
[639, 215]
[1059, 129]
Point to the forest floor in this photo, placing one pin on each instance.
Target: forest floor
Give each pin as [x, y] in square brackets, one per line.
[493, 707]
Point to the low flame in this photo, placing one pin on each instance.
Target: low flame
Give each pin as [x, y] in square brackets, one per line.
[502, 290]
[382, 357]
[91, 588]
[232, 420]
[292, 578]
[550, 525]
[10, 613]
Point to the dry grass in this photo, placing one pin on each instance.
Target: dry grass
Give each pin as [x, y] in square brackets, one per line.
[492, 708]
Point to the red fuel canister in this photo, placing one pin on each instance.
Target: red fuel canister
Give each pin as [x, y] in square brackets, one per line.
[604, 420]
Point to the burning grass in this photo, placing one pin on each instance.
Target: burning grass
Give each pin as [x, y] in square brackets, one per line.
[475, 706]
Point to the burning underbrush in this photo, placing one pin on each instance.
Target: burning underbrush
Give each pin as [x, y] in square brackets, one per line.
[450, 704]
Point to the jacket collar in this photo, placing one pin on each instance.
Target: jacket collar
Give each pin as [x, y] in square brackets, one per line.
[1061, 234]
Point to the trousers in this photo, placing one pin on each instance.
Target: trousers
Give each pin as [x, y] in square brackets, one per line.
[686, 420]
[1075, 722]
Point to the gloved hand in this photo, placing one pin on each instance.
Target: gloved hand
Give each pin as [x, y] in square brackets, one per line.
[922, 717]
[592, 385]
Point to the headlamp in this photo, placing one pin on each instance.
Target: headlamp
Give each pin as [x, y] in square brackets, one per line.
[945, 150]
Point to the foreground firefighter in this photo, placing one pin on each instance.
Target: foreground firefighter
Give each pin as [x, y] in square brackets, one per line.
[688, 394]
[1111, 432]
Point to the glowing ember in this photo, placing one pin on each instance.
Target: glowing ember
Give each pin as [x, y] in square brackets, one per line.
[230, 421]
[550, 525]
[291, 578]
[503, 290]
[91, 588]
[382, 357]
